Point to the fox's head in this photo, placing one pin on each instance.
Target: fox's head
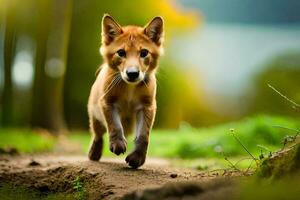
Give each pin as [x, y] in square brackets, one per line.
[131, 50]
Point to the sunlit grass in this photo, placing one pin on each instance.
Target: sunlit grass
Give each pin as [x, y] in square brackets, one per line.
[192, 143]
[26, 141]
[185, 143]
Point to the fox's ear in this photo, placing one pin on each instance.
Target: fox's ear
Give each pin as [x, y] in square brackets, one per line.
[110, 29]
[155, 30]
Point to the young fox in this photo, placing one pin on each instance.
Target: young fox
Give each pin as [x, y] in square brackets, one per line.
[123, 94]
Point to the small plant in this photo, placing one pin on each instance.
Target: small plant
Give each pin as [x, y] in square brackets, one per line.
[232, 131]
[262, 150]
[281, 163]
[293, 103]
[79, 189]
[77, 184]
[234, 166]
[265, 153]
[289, 138]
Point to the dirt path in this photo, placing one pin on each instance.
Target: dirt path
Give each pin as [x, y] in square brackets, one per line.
[108, 179]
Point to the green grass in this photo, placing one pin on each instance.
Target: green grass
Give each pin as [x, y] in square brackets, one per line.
[190, 143]
[185, 143]
[11, 192]
[26, 141]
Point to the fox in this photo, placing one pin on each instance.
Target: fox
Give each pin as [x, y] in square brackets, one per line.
[123, 96]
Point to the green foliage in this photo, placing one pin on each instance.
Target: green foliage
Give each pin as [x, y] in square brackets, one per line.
[26, 141]
[252, 131]
[256, 133]
[190, 143]
[10, 192]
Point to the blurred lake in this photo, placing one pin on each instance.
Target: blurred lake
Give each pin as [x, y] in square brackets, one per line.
[226, 56]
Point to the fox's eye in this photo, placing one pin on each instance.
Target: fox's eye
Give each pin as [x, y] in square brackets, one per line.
[144, 53]
[121, 53]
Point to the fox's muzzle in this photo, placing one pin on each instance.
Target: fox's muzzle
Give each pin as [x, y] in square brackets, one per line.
[132, 75]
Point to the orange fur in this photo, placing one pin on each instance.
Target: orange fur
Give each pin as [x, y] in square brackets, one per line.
[123, 95]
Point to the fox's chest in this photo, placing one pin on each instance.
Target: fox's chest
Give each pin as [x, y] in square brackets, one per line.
[130, 98]
[127, 100]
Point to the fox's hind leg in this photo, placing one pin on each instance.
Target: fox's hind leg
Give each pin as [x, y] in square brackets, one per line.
[98, 129]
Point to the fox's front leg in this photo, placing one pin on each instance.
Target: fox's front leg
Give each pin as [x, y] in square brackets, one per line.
[117, 141]
[145, 118]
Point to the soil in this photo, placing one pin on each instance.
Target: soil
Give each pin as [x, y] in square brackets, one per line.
[112, 178]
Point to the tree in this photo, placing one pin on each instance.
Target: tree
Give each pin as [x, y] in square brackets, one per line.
[9, 38]
[50, 65]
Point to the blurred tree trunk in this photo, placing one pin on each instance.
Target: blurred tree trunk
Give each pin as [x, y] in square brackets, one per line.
[50, 67]
[44, 11]
[9, 38]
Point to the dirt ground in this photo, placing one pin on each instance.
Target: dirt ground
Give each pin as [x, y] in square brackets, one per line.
[108, 179]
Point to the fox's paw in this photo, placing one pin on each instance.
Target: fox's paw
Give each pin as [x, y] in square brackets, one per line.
[118, 146]
[96, 150]
[136, 159]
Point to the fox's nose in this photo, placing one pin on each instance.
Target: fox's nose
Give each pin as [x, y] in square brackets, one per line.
[132, 73]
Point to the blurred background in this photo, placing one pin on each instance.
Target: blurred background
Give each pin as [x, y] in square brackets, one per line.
[219, 58]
